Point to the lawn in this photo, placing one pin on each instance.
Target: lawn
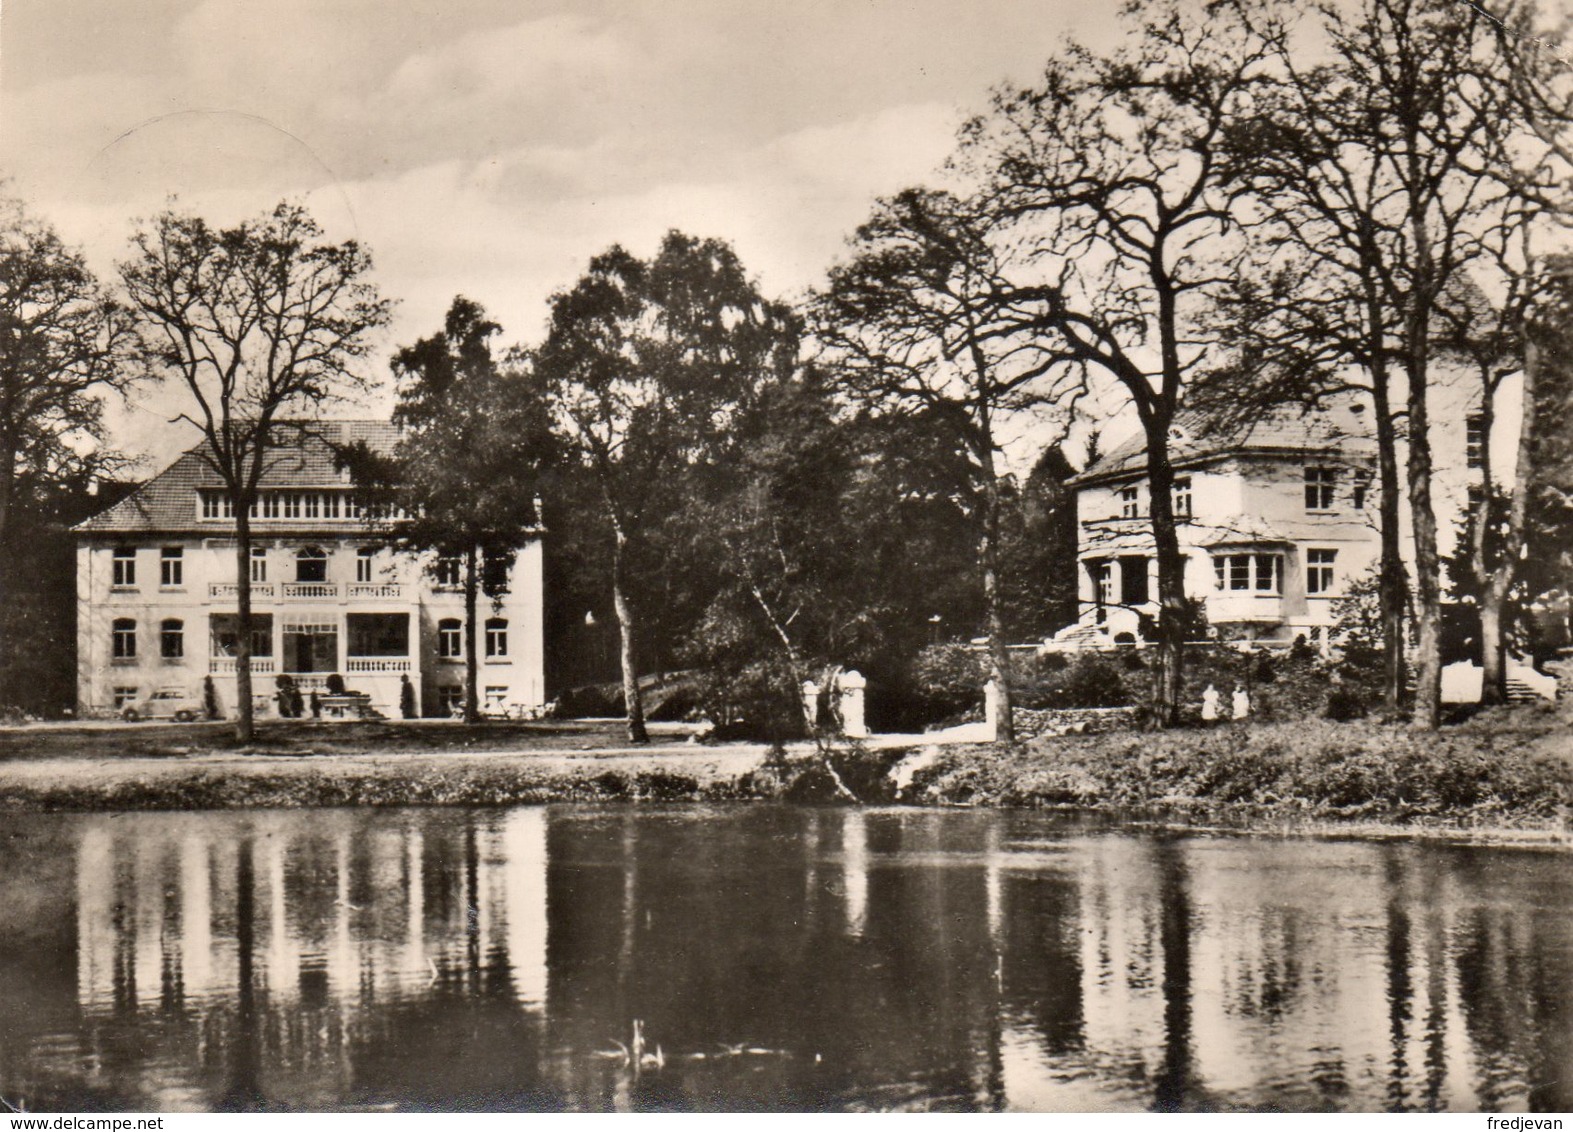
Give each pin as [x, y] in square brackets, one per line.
[307, 737]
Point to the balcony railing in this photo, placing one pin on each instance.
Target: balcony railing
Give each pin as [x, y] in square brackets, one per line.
[311, 589]
[375, 589]
[225, 665]
[231, 590]
[374, 664]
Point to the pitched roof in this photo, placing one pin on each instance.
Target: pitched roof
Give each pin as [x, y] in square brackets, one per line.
[306, 457]
[1198, 438]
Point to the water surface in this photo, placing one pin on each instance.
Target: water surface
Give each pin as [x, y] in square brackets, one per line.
[771, 957]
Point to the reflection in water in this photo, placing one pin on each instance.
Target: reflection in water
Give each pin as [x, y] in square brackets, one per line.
[772, 958]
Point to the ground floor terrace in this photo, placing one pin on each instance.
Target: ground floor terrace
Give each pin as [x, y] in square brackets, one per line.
[191, 656]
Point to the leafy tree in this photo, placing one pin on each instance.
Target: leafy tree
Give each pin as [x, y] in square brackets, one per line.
[1038, 552]
[465, 475]
[65, 344]
[1110, 173]
[263, 323]
[647, 365]
[925, 319]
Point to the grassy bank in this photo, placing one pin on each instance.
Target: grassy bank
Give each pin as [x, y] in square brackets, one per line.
[1510, 768]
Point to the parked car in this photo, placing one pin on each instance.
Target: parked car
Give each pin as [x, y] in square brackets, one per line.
[166, 703]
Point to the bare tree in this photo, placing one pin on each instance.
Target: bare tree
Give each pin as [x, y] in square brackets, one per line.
[926, 318]
[1112, 167]
[1383, 168]
[263, 323]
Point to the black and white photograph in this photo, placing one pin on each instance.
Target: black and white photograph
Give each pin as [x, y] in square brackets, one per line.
[859, 556]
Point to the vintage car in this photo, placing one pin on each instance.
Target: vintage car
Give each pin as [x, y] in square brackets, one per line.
[166, 703]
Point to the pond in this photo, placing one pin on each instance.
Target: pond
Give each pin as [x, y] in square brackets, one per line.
[761, 957]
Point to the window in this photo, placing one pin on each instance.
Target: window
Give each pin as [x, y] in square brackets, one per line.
[496, 699]
[378, 634]
[1475, 499]
[449, 570]
[217, 505]
[171, 567]
[1182, 497]
[1319, 484]
[125, 639]
[1260, 572]
[1475, 442]
[363, 563]
[125, 696]
[450, 639]
[495, 573]
[172, 639]
[1102, 573]
[125, 572]
[225, 632]
[1319, 571]
[1133, 579]
[1130, 505]
[311, 564]
[1357, 496]
[259, 564]
[496, 638]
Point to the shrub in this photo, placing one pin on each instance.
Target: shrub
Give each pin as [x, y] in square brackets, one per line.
[1343, 704]
[757, 701]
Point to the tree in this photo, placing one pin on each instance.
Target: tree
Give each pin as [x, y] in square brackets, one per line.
[264, 324]
[646, 365]
[1387, 166]
[925, 318]
[465, 475]
[1111, 171]
[65, 344]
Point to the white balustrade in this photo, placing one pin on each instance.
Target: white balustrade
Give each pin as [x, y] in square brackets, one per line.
[377, 664]
[376, 589]
[311, 589]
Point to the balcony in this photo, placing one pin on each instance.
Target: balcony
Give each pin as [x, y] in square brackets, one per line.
[374, 590]
[312, 591]
[377, 664]
[225, 665]
[230, 591]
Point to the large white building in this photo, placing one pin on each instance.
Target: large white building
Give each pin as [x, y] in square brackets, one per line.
[156, 594]
[1277, 517]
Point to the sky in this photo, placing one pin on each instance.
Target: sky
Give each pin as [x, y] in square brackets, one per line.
[491, 147]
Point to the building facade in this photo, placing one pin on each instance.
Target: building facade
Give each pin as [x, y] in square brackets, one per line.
[157, 595]
[1277, 518]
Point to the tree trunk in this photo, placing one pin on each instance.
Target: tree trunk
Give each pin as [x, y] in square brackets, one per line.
[1493, 599]
[7, 493]
[1428, 563]
[472, 703]
[1172, 607]
[244, 723]
[999, 657]
[625, 624]
[1393, 582]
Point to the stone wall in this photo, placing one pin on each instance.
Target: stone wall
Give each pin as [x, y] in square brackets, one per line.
[1031, 724]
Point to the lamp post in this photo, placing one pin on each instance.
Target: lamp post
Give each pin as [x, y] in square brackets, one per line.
[934, 623]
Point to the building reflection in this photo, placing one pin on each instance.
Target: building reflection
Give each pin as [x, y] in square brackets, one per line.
[778, 958]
